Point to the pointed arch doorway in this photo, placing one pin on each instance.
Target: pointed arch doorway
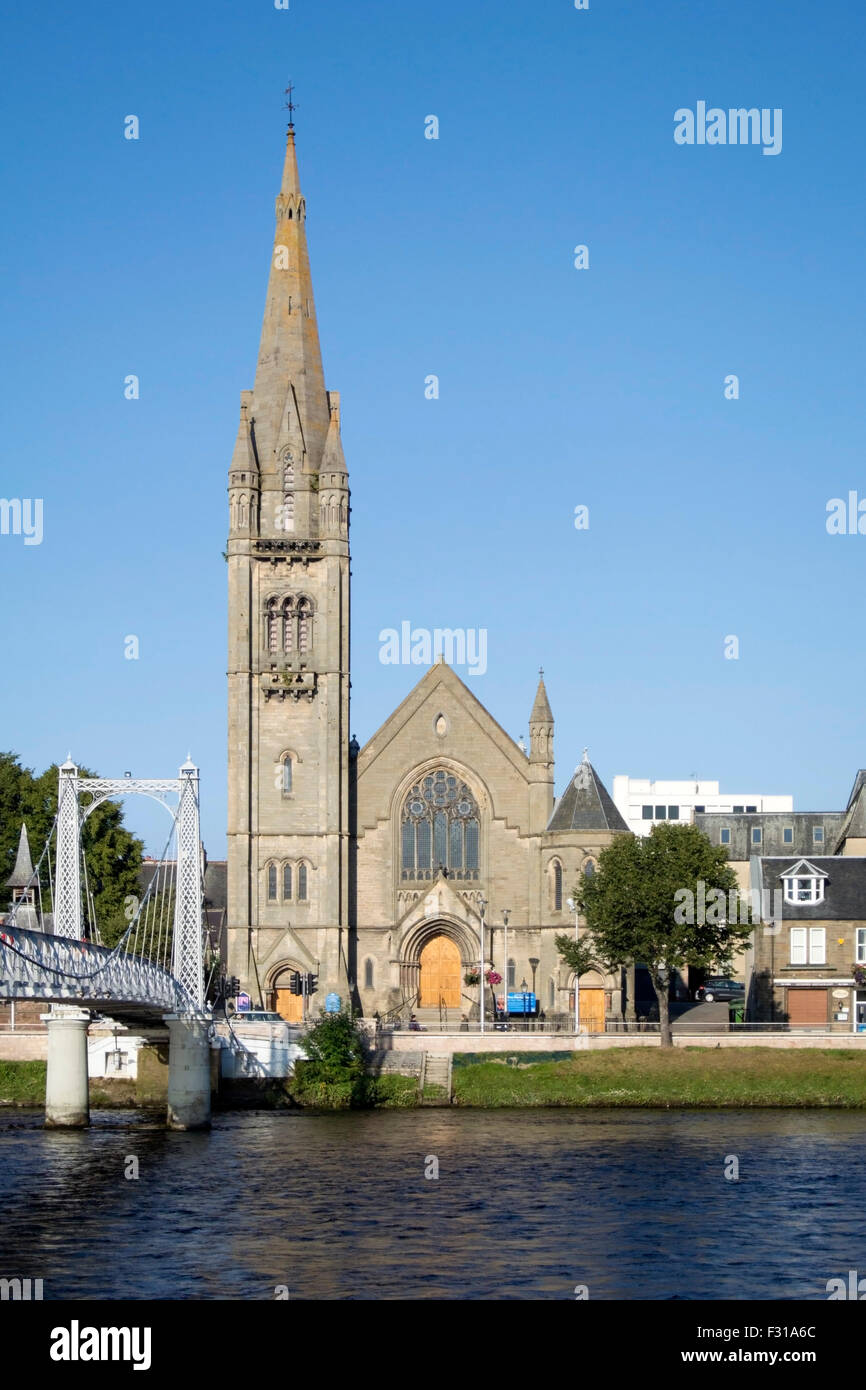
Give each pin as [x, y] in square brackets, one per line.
[439, 974]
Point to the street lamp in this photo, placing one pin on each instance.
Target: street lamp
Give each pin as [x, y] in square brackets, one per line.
[572, 907]
[482, 907]
[506, 913]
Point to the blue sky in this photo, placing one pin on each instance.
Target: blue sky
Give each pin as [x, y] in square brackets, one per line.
[559, 387]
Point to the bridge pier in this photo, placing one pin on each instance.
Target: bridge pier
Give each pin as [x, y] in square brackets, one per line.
[188, 1072]
[67, 1089]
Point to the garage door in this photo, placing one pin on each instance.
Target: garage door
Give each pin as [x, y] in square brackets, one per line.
[807, 1007]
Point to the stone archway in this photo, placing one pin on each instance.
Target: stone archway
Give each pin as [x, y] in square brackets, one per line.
[439, 974]
[280, 998]
[434, 955]
[594, 1001]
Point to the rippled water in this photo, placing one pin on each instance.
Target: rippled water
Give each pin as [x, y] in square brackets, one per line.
[527, 1205]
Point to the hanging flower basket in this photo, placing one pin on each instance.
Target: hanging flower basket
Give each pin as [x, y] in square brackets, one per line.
[859, 973]
[491, 976]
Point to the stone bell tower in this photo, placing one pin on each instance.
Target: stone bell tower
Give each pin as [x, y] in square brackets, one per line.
[288, 642]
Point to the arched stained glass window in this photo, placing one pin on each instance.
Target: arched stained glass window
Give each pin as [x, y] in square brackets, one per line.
[557, 886]
[272, 883]
[287, 774]
[302, 883]
[440, 822]
[287, 882]
[368, 974]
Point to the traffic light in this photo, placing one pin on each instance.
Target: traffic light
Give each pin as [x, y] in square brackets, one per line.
[233, 986]
[295, 986]
[312, 983]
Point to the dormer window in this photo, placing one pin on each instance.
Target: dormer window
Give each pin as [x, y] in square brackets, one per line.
[804, 890]
[804, 883]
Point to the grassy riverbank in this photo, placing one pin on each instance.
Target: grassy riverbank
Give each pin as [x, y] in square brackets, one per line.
[689, 1077]
[682, 1078]
[22, 1084]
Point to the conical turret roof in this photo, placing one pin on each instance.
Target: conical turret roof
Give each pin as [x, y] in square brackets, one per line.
[586, 803]
[23, 870]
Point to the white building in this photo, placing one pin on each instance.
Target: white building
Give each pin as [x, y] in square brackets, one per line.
[643, 803]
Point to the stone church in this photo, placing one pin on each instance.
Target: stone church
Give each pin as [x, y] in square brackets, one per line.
[376, 868]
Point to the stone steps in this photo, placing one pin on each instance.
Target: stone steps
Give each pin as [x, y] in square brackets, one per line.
[436, 1076]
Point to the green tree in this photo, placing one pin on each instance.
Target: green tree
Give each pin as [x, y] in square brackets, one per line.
[661, 901]
[333, 1075]
[112, 853]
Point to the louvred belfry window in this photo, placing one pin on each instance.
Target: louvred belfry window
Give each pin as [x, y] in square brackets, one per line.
[305, 624]
[289, 626]
[274, 624]
[440, 824]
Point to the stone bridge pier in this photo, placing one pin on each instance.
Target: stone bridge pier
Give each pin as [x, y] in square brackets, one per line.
[67, 1087]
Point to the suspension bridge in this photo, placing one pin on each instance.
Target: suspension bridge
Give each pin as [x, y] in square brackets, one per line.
[154, 972]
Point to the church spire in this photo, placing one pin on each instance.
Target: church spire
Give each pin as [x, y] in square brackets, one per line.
[290, 404]
[541, 711]
[541, 758]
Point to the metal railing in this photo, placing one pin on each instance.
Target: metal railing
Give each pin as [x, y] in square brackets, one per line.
[612, 1027]
[58, 969]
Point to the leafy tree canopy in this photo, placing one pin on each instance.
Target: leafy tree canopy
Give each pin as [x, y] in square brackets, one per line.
[112, 853]
[636, 907]
[630, 904]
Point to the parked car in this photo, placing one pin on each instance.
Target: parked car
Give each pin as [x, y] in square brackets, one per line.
[720, 987]
[256, 1016]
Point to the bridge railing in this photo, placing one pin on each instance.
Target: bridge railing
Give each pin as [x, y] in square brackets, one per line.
[35, 965]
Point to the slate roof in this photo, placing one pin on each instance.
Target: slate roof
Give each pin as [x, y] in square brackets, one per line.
[844, 887]
[23, 870]
[215, 891]
[586, 804]
[854, 822]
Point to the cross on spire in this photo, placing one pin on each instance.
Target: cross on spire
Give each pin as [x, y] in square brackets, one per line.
[290, 105]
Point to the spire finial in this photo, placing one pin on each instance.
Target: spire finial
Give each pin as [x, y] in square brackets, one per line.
[291, 106]
[541, 671]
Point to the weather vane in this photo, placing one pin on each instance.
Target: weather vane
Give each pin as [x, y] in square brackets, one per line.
[290, 105]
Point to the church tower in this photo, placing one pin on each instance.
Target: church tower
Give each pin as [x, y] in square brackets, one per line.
[288, 645]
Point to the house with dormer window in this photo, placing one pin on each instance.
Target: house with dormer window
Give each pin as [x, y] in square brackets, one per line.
[809, 945]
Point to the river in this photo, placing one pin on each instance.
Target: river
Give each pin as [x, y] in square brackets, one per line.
[526, 1205]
